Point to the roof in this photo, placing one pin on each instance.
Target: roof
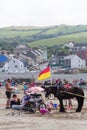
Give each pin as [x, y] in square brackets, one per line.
[21, 47]
[70, 56]
[3, 58]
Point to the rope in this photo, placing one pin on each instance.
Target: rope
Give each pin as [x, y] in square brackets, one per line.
[73, 94]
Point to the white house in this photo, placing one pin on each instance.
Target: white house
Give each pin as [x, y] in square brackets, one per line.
[70, 45]
[73, 61]
[14, 66]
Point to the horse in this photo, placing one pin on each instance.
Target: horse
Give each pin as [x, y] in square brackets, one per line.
[61, 93]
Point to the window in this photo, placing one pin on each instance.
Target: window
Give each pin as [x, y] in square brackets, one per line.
[16, 66]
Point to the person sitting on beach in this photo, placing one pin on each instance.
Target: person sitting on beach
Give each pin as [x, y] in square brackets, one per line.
[44, 111]
[14, 100]
[24, 101]
[47, 110]
[49, 105]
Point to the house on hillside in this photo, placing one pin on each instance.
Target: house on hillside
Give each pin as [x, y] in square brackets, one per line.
[21, 48]
[3, 60]
[82, 53]
[56, 61]
[37, 55]
[13, 66]
[69, 45]
[33, 55]
[44, 53]
[74, 61]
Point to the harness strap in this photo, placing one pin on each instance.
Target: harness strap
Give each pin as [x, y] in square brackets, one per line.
[72, 94]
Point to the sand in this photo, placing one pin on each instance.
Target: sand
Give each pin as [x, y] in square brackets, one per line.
[27, 121]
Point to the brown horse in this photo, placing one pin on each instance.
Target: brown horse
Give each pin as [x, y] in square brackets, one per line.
[61, 93]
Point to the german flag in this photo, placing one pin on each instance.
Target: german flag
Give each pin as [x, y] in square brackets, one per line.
[45, 74]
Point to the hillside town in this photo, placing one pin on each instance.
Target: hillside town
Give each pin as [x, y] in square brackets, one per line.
[26, 59]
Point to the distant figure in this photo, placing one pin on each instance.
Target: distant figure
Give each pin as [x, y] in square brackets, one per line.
[59, 83]
[67, 85]
[32, 84]
[13, 83]
[0, 84]
[25, 87]
[8, 92]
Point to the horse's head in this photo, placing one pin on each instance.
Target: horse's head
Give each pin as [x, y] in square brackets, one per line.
[47, 92]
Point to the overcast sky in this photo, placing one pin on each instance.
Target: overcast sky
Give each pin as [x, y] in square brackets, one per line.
[42, 12]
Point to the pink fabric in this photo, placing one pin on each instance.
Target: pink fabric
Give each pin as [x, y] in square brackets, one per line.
[43, 111]
[49, 105]
[35, 89]
[67, 86]
[32, 85]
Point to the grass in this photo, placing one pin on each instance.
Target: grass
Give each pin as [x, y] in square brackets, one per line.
[77, 37]
[15, 33]
[58, 34]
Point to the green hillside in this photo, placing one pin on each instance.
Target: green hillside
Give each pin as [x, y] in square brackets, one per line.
[17, 31]
[77, 37]
[10, 37]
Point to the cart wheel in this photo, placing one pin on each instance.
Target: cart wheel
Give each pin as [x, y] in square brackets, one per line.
[42, 105]
[33, 105]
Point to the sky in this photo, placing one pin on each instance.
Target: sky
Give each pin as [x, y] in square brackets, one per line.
[42, 12]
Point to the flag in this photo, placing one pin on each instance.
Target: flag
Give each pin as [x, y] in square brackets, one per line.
[45, 74]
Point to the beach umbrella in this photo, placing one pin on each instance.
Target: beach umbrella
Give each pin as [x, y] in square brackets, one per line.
[35, 89]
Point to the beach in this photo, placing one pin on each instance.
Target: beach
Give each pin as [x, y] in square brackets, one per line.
[12, 119]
